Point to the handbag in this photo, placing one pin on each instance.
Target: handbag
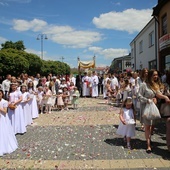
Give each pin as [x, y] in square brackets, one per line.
[12, 106]
[165, 110]
[151, 112]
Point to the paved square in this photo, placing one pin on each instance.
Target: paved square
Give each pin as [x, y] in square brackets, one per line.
[85, 139]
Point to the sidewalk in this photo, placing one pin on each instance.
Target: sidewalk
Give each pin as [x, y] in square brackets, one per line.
[85, 139]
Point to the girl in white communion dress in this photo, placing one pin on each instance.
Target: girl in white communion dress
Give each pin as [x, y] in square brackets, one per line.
[8, 142]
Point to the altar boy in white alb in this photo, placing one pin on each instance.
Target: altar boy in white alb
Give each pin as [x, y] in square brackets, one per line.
[95, 82]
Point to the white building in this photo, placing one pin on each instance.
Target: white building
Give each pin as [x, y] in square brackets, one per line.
[144, 47]
[122, 64]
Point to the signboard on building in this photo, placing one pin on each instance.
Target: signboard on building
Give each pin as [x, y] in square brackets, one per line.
[164, 42]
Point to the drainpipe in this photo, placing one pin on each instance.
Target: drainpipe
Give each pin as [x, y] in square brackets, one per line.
[134, 55]
[156, 42]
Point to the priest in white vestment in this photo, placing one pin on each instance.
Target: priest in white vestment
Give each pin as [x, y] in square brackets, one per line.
[95, 82]
[86, 89]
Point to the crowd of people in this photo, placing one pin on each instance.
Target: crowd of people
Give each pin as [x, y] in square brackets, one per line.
[135, 90]
[23, 98]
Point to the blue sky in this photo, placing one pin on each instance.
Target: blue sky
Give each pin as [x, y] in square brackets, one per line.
[75, 28]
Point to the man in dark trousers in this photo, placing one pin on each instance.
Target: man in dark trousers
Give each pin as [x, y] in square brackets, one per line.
[79, 83]
[100, 85]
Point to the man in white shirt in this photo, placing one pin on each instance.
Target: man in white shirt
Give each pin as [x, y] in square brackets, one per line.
[6, 85]
[114, 82]
[95, 82]
[36, 80]
[73, 79]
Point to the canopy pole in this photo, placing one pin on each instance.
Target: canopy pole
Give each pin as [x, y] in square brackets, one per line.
[78, 59]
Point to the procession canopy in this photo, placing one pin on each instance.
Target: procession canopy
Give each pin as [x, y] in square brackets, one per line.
[86, 64]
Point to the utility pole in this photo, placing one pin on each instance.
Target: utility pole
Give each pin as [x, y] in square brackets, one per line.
[62, 58]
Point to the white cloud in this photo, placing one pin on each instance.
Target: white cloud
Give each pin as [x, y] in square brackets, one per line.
[2, 40]
[102, 65]
[76, 39]
[33, 51]
[64, 35]
[34, 25]
[86, 57]
[109, 53]
[7, 2]
[18, 1]
[36, 52]
[130, 20]
[53, 29]
[3, 3]
[45, 55]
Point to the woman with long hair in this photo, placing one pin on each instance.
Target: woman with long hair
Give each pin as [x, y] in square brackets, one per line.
[148, 92]
[142, 79]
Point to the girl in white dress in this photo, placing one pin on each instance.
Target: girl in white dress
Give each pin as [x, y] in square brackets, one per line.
[16, 116]
[60, 103]
[40, 101]
[47, 98]
[25, 105]
[66, 96]
[8, 142]
[33, 101]
[71, 90]
[127, 121]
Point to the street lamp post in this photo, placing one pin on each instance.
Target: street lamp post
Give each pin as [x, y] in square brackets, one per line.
[42, 37]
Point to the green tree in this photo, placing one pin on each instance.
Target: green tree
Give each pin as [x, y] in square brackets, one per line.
[12, 62]
[19, 45]
[7, 44]
[54, 67]
[35, 63]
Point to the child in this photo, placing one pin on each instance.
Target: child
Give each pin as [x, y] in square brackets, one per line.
[71, 90]
[60, 103]
[33, 101]
[16, 115]
[109, 90]
[127, 117]
[26, 107]
[76, 96]
[48, 95]
[40, 101]
[8, 142]
[66, 97]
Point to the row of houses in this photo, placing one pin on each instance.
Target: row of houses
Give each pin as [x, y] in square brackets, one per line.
[151, 47]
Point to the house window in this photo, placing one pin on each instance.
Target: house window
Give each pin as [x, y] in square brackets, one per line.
[167, 62]
[151, 39]
[164, 25]
[141, 46]
[152, 64]
[128, 64]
